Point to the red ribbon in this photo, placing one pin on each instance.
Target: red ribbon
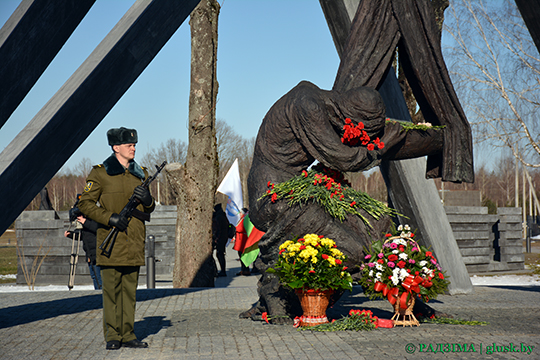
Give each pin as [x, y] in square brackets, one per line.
[410, 284]
[391, 293]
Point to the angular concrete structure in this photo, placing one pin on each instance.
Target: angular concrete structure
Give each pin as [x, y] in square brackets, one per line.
[47, 142]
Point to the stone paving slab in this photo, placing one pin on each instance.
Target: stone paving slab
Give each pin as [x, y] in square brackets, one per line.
[204, 324]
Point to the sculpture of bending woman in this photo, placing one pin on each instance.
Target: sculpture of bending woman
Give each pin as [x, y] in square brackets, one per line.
[307, 125]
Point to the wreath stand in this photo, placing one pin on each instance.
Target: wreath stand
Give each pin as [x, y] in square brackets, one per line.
[405, 317]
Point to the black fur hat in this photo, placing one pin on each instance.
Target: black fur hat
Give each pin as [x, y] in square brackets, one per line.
[122, 136]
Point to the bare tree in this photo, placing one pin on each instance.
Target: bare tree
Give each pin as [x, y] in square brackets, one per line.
[83, 167]
[496, 71]
[196, 182]
[171, 151]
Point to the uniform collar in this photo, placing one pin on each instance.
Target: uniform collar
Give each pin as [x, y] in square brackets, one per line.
[113, 167]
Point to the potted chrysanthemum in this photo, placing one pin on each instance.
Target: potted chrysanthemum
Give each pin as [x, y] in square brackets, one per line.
[313, 267]
[400, 269]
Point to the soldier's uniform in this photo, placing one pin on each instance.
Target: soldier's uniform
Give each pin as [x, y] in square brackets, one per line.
[108, 189]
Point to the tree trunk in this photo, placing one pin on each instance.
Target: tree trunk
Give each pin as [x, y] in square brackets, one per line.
[196, 182]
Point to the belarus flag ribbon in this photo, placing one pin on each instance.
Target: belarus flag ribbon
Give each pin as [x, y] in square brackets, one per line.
[247, 240]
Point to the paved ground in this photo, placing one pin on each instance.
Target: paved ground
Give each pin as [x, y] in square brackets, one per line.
[204, 324]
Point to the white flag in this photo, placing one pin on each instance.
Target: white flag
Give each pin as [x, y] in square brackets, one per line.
[232, 187]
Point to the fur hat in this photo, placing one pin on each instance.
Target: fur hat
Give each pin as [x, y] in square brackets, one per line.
[122, 136]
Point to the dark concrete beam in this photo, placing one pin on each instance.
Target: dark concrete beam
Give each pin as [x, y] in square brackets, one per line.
[29, 41]
[47, 142]
[409, 191]
[530, 12]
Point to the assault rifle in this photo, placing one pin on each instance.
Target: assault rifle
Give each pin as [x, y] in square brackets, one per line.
[128, 212]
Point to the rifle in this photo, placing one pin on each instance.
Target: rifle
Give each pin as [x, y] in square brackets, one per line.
[107, 244]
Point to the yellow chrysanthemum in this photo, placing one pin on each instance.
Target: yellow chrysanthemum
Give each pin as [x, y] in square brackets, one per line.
[327, 242]
[336, 253]
[331, 260]
[294, 247]
[307, 253]
[314, 259]
[285, 244]
[311, 239]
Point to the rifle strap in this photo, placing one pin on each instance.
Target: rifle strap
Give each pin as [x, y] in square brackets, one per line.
[138, 214]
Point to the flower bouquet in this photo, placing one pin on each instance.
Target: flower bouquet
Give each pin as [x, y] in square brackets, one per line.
[313, 267]
[400, 269]
[329, 189]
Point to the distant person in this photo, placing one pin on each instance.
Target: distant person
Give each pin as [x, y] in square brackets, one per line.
[111, 184]
[88, 237]
[220, 229]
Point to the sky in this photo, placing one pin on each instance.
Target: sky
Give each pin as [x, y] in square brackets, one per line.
[264, 49]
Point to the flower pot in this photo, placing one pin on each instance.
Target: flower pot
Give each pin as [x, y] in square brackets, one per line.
[405, 317]
[314, 304]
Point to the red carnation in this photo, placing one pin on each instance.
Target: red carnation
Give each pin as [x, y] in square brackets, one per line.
[371, 147]
[428, 253]
[324, 256]
[392, 257]
[302, 247]
[401, 264]
[380, 261]
[380, 145]
[274, 197]
[441, 276]
[339, 262]
[388, 235]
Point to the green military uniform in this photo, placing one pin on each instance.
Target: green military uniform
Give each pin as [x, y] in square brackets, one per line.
[108, 189]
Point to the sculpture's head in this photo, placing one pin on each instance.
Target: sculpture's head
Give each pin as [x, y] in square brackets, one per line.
[363, 104]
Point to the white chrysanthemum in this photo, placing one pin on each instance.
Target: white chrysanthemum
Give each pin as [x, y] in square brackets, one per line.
[400, 227]
[403, 256]
[379, 267]
[370, 273]
[403, 274]
[395, 280]
[395, 251]
[378, 276]
[400, 241]
[423, 263]
[407, 227]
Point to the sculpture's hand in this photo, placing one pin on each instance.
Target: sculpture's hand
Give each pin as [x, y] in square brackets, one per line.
[393, 134]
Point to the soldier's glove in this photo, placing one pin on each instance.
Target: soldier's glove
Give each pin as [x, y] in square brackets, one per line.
[143, 195]
[118, 221]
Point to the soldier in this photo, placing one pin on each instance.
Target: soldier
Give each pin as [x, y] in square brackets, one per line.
[111, 184]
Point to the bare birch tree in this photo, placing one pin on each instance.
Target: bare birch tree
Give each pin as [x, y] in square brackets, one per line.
[495, 68]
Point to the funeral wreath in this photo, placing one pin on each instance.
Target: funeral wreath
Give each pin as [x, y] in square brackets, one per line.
[398, 268]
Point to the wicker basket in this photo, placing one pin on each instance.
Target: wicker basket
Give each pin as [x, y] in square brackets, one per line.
[405, 317]
[314, 304]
